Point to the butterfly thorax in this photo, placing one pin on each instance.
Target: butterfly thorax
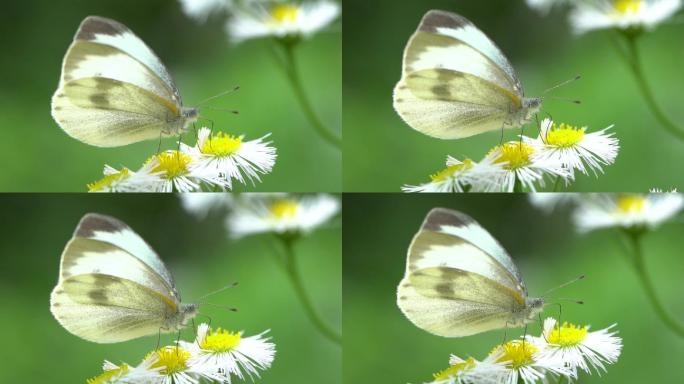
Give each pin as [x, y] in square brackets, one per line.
[180, 319]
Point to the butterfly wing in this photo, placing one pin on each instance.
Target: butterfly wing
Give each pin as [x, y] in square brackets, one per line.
[449, 68]
[462, 275]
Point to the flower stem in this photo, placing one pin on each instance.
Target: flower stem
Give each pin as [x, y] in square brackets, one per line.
[556, 184]
[292, 72]
[640, 268]
[633, 60]
[290, 264]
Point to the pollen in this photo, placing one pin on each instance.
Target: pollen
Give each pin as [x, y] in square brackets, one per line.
[567, 335]
[564, 136]
[284, 209]
[285, 13]
[108, 180]
[517, 353]
[630, 204]
[454, 370]
[626, 7]
[108, 375]
[222, 145]
[221, 340]
[173, 164]
[170, 359]
[452, 170]
[516, 155]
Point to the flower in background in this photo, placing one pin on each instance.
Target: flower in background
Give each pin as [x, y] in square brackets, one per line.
[201, 9]
[231, 156]
[125, 180]
[283, 20]
[229, 353]
[200, 204]
[469, 371]
[573, 147]
[632, 211]
[549, 201]
[280, 213]
[659, 190]
[621, 14]
[524, 362]
[544, 6]
[453, 178]
[112, 373]
[179, 172]
[577, 347]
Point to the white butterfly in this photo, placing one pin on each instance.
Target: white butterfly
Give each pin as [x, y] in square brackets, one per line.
[113, 287]
[456, 82]
[459, 281]
[114, 90]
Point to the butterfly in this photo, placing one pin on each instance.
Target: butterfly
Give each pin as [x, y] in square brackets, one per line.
[113, 287]
[459, 280]
[114, 91]
[457, 83]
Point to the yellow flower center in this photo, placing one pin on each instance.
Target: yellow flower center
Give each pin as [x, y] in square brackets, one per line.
[285, 13]
[454, 370]
[173, 163]
[108, 375]
[171, 360]
[108, 180]
[221, 145]
[631, 204]
[567, 335]
[284, 209]
[564, 136]
[517, 353]
[451, 170]
[221, 340]
[516, 155]
[625, 7]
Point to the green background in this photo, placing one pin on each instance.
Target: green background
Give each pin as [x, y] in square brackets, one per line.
[382, 152]
[38, 156]
[382, 346]
[200, 257]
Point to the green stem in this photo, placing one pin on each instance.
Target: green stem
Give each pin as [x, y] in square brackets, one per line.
[556, 184]
[292, 271]
[634, 62]
[517, 186]
[647, 283]
[292, 72]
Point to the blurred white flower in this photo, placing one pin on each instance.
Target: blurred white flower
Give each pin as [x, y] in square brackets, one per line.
[200, 204]
[112, 374]
[659, 190]
[544, 6]
[229, 353]
[577, 347]
[231, 156]
[469, 371]
[125, 180]
[454, 178]
[621, 14]
[281, 19]
[573, 147]
[626, 210]
[176, 171]
[524, 363]
[201, 9]
[280, 213]
[549, 201]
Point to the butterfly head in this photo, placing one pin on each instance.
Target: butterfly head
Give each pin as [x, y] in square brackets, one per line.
[184, 315]
[534, 306]
[531, 105]
[190, 115]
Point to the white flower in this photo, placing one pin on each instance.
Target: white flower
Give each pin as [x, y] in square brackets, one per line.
[515, 161]
[172, 365]
[660, 190]
[231, 156]
[125, 180]
[200, 204]
[544, 6]
[573, 147]
[524, 362]
[280, 213]
[454, 178]
[469, 371]
[579, 348]
[177, 171]
[549, 201]
[281, 19]
[112, 374]
[626, 210]
[201, 9]
[621, 14]
[229, 353]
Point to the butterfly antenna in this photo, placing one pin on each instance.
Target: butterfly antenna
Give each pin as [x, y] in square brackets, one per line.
[566, 82]
[573, 101]
[233, 111]
[576, 279]
[236, 88]
[232, 285]
[232, 309]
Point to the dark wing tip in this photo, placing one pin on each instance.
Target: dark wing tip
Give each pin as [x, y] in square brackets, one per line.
[92, 222]
[98, 25]
[437, 217]
[435, 18]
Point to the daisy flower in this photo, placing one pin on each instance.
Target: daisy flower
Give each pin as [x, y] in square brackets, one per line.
[125, 180]
[524, 363]
[469, 371]
[517, 162]
[280, 213]
[578, 347]
[111, 374]
[660, 190]
[178, 171]
[453, 178]
[230, 353]
[283, 20]
[201, 9]
[200, 204]
[550, 201]
[573, 147]
[632, 211]
[621, 14]
[231, 156]
[171, 365]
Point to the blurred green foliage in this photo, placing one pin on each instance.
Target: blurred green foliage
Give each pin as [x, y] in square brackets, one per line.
[382, 346]
[201, 258]
[38, 156]
[382, 152]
